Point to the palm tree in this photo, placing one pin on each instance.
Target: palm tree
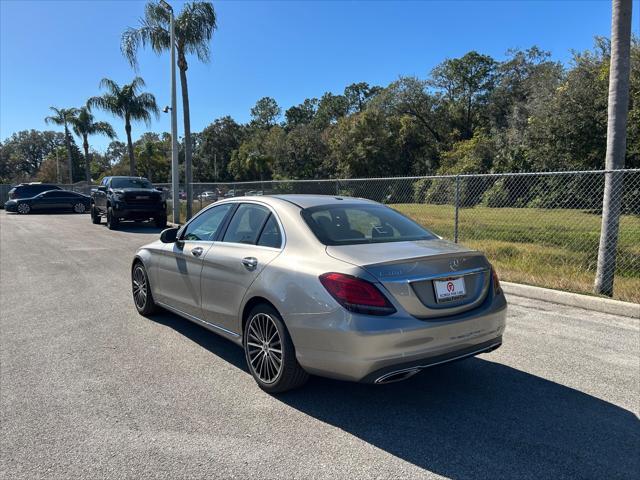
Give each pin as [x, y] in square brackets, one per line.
[84, 125]
[125, 102]
[193, 30]
[65, 117]
[618, 109]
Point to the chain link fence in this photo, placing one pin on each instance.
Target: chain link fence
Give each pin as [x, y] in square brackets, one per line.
[537, 228]
[540, 229]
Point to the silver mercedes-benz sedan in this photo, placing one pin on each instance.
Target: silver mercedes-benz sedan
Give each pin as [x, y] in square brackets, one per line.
[334, 286]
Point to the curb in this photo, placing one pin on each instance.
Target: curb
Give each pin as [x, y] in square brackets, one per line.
[597, 304]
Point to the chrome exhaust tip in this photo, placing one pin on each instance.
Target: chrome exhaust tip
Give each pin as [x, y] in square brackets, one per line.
[397, 376]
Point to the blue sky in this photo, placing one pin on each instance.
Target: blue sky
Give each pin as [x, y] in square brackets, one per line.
[56, 52]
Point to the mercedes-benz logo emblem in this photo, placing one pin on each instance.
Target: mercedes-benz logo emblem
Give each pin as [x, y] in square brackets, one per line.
[454, 264]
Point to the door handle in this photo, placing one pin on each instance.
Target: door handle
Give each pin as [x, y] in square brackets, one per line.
[250, 263]
[197, 251]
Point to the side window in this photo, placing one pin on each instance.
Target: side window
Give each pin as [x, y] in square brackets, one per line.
[271, 236]
[246, 224]
[205, 226]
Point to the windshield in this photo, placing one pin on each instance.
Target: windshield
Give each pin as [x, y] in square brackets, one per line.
[352, 224]
[130, 183]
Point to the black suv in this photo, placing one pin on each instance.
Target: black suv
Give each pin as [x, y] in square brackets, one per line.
[29, 190]
[127, 198]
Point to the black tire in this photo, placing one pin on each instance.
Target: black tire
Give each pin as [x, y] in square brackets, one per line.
[290, 374]
[95, 217]
[141, 290]
[112, 222]
[79, 207]
[161, 222]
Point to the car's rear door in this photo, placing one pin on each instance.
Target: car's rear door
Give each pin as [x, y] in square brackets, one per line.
[252, 239]
[180, 263]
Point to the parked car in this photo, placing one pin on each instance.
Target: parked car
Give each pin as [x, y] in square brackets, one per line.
[30, 190]
[208, 197]
[50, 201]
[128, 198]
[230, 194]
[334, 286]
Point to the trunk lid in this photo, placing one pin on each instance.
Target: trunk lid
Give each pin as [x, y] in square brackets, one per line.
[409, 271]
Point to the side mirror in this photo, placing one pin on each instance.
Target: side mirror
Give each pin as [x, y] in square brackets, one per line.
[160, 189]
[169, 235]
[102, 188]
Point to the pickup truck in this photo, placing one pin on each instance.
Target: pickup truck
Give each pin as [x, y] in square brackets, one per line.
[127, 198]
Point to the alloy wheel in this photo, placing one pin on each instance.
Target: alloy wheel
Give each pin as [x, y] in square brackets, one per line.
[139, 287]
[23, 208]
[79, 208]
[264, 347]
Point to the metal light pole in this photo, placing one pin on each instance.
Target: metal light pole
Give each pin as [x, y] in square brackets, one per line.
[175, 179]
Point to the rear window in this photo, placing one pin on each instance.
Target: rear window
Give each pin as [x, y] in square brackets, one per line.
[357, 223]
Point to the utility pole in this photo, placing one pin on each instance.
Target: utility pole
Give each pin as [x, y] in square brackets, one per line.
[57, 167]
[175, 179]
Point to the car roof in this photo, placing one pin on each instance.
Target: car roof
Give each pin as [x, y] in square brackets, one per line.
[37, 184]
[125, 176]
[308, 201]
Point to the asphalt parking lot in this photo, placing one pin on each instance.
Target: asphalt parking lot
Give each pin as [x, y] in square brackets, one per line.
[90, 389]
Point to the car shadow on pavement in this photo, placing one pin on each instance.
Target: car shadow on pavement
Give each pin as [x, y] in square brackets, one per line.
[225, 349]
[470, 419]
[481, 419]
[139, 227]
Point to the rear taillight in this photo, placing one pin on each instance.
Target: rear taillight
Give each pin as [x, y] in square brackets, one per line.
[496, 282]
[356, 295]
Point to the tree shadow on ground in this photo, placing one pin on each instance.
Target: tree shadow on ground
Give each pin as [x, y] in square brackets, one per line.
[470, 419]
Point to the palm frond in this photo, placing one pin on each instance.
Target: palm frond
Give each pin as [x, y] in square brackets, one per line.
[136, 84]
[110, 85]
[104, 128]
[194, 28]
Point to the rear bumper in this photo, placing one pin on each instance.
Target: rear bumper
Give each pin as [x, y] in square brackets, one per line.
[404, 370]
[365, 348]
[11, 207]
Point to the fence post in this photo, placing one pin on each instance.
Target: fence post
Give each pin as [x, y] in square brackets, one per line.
[337, 187]
[457, 206]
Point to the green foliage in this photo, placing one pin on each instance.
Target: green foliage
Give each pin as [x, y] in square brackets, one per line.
[217, 143]
[496, 196]
[265, 113]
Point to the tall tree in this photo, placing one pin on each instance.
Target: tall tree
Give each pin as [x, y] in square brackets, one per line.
[84, 125]
[265, 113]
[616, 143]
[194, 27]
[127, 103]
[64, 117]
[466, 83]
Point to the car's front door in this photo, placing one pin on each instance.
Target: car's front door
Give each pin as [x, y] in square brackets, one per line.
[251, 241]
[179, 267]
[100, 196]
[48, 201]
